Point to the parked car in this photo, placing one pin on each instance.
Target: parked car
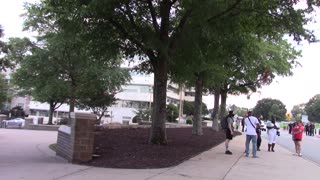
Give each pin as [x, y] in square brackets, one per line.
[16, 122]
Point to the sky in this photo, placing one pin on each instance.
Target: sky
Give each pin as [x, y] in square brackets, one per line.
[293, 90]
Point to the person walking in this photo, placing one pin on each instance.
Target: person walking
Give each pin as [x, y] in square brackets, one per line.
[229, 131]
[251, 134]
[272, 134]
[297, 133]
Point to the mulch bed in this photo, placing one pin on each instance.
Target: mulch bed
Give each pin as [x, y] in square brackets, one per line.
[129, 148]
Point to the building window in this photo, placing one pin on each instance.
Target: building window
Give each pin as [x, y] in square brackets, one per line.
[172, 101]
[173, 89]
[33, 112]
[136, 88]
[135, 104]
[189, 94]
[43, 113]
[126, 118]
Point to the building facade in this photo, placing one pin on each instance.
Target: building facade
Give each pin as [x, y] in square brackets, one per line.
[137, 95]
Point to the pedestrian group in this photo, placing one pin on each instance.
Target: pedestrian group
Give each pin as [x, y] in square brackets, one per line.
[253, 133]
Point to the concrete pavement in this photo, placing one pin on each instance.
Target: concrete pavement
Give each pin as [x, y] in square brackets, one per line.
[24, 154]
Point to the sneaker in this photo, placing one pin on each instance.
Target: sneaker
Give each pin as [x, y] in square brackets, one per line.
[258, 149]
[300, 155]
[255, 156]
[246, 155]
[228, 152]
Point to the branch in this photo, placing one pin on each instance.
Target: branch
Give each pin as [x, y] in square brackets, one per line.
[131, 38]
[226, 11]
[56, 107]
[153, 16]
[131, 18]
[174, 1]
[176, 33]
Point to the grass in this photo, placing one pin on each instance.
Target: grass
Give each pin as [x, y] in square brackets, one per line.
[53, 147]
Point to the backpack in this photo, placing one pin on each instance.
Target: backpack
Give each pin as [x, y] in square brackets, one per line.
[224, 123]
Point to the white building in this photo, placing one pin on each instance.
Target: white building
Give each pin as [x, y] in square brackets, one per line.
[134, 96]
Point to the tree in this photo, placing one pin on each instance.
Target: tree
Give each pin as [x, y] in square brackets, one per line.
[172, 113]
[3, 91]
[152, 30]
[270, 108]
[142, 114]
[313, 108]
[188, 108]
[17, 112]
[298, 110]
[3, 50]
[67, 60]
[240, 111]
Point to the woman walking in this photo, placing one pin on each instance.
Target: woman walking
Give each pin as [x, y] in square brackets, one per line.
[272, 134]
[297, 132]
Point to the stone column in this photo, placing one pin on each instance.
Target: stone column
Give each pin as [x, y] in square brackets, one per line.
[82, 136]
[28, 121]
[40, 120]
[2, 117]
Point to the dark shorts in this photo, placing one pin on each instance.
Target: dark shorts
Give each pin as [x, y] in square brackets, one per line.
[295, 139]
[228, 134]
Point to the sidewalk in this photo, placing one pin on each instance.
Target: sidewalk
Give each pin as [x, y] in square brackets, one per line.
[31, 159]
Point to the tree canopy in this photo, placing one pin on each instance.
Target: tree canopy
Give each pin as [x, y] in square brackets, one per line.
[270, 108]
[298, 110]
[312, 108]
[155, 31]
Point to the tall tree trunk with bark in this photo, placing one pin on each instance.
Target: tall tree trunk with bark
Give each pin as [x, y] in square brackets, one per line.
[223, 94]
[51, 110]
[72, 97]
[160, 68]
[197, 120]
[158, 127]
[215, 113]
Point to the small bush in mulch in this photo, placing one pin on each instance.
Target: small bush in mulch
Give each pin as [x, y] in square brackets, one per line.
[129, 148]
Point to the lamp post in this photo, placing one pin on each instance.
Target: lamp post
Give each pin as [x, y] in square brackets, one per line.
[150, 99]
[181, 103]
[7, 77]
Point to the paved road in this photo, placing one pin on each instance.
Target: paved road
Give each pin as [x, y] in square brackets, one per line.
[310, 145]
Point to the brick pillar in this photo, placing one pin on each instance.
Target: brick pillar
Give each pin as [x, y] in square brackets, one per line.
[2, 117]
[28, 121]
[82, 136]
[40, 120]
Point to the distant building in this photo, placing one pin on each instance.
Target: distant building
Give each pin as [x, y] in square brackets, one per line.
[134, 96]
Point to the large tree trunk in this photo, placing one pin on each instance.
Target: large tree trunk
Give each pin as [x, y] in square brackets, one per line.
[197, 120]
[215, 112]
[51, 110]
[223, 101]
[158, 127]
[72, 98]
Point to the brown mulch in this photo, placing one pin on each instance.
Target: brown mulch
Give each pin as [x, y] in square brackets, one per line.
[129, 148]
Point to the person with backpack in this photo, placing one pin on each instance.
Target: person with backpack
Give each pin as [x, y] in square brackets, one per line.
[251, 123]
[227, 125]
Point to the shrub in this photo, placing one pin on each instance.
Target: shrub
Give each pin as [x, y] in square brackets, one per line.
[189, 121]
[136, 119]
[63, 121]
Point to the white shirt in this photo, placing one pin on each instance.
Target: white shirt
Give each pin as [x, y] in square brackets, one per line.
[250, 129]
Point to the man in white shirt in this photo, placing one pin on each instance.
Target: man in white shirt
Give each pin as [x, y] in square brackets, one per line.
[251, 123]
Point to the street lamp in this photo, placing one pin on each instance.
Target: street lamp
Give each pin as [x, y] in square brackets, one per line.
[150, 99]
[7, 77]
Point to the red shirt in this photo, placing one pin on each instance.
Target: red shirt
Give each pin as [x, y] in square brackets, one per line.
[298, 131]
